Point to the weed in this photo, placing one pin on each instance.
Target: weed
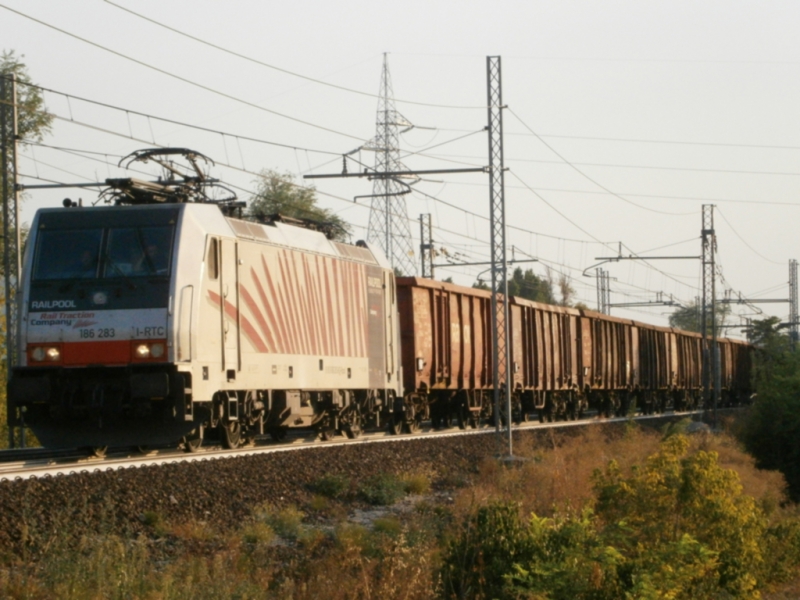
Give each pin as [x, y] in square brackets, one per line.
[332, 486]
[194, 531]
[349, 535]
[311, 538]
[257, 533]
[319, 504]
[285, 522]
[417, 484]
[382, 490]
[387, 525]
[155, 521]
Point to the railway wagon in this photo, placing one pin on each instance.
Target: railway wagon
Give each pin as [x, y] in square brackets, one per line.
[546, 359]
[562, 360]
[144, 324]
[612, 356]
[446, 337]
[447, 355]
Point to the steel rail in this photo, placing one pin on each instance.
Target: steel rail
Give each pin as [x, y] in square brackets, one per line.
[44, 468]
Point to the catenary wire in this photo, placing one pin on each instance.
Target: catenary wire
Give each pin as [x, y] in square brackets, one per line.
[594, 181]
[724, 218]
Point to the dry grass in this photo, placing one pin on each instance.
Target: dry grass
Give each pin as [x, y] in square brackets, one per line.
[556, 474]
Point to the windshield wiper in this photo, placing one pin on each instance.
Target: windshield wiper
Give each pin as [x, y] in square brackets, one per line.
[107, 261]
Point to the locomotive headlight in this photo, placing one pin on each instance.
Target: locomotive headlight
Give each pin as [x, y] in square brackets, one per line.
[142, 351]
[44, 353]
[157, 350]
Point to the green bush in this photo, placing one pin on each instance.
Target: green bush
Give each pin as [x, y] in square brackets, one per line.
[286, 521]
[332, 486]
[417, 484]
[382, 490]
[387, 525]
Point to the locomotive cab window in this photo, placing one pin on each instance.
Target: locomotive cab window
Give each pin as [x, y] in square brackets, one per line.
[68, 254]
[138, 251]
[212, 259]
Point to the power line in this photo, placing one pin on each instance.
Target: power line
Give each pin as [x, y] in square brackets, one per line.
[594, 181]
[655, 196]
[647, 167]
[179, 123]
[644, 141]
[724, 218]
[279, 69]
[178, 77]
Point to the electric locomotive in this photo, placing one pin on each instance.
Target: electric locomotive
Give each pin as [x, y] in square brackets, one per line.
[148, 323]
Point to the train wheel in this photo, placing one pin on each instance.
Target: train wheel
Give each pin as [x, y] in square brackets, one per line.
[278, 434]
[193, 440]
[396, 423]
[353, 430]
[98, 451]
[412, 426]
[230, 434]
[326, 434]
[462, 415]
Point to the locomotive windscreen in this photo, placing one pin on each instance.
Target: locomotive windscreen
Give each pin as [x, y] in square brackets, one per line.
[125, 254]
[103, 253]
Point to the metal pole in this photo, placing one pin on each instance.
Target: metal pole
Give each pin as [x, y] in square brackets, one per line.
[16, 260]
[711, 370]
[705, 231]
[793, 329]
[4, 88]
[501, 374]
[600, 295]
[426, 245]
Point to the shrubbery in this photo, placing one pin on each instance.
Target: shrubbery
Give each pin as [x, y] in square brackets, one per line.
[677, 526]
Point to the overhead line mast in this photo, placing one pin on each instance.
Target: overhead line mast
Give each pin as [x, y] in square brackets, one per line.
[12, 243]
[501, 374]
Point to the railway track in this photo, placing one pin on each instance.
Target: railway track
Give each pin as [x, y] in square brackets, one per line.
[28, 463]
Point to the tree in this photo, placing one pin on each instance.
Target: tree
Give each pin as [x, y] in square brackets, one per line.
[690, 317]
[277, 193]
[772, 428]
[683, 505]
[33, 120]
[526, 285]
[566, 290]
[530, 286]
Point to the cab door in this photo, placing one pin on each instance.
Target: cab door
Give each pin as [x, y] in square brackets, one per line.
[229, 305]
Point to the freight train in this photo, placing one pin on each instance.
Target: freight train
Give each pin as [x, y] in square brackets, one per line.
[160, 320]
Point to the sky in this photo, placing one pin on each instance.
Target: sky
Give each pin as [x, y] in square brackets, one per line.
[622, 119]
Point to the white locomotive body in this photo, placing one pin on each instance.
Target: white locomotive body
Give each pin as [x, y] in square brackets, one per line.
[143, 324]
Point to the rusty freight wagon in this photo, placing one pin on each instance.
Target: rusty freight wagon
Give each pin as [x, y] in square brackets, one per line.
[562, 360]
